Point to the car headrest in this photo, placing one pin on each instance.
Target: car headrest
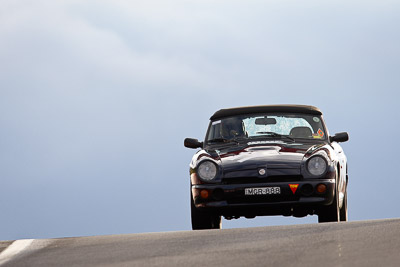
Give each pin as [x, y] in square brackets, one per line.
[301, 132]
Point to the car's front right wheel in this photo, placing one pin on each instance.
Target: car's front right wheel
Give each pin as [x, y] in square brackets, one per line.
[203, 220]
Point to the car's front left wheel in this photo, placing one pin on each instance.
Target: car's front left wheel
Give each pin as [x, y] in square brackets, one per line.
[343, 210]
[203, 220]
[331, 213]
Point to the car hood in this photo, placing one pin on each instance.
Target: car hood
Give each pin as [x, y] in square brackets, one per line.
[276, 158]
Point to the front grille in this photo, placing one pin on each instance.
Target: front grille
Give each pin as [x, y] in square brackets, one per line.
[269, 179]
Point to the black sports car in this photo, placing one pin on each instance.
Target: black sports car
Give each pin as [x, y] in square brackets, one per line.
[267, 160]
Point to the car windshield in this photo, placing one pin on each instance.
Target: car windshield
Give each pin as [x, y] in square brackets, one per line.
[259, 126]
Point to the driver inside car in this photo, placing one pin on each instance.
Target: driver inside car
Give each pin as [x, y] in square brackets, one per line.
[232, 128]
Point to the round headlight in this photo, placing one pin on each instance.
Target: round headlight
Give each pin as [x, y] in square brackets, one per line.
[316, 165]
[207, 170]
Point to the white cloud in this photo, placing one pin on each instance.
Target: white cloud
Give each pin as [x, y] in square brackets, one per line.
[49, 44]
[186, 44]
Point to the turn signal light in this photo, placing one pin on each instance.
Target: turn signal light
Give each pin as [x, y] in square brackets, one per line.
[204, 194]
[321, 188]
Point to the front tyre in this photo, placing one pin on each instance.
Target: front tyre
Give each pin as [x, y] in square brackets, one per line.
[203, 220]
[331, 213]
[343, 210]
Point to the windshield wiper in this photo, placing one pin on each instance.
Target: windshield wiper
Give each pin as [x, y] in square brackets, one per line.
[273, 134]
[222, 140]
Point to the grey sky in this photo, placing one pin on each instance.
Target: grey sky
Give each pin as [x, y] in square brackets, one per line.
[96, 98]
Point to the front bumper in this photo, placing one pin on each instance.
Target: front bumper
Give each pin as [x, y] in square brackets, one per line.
[230, 200]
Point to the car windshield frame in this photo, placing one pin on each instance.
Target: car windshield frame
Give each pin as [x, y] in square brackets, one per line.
[270, 135]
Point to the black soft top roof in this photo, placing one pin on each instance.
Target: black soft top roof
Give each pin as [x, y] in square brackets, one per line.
[227, 112]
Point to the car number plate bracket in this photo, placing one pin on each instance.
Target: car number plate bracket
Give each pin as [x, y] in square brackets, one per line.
[271, 190]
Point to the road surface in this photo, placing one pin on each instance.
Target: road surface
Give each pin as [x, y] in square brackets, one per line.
[363, 243]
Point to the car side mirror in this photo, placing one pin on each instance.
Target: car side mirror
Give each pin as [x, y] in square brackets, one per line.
[192, 143]
[339, 137]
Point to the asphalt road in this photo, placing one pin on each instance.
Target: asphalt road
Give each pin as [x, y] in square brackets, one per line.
[363, 243]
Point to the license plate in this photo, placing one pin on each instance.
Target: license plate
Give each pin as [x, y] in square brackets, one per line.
[262, 191]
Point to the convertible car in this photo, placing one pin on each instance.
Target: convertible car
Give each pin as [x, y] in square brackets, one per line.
[267, 160]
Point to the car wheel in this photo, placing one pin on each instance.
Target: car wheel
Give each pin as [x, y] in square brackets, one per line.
[203, 220]
[331, 213]
[343, 210]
